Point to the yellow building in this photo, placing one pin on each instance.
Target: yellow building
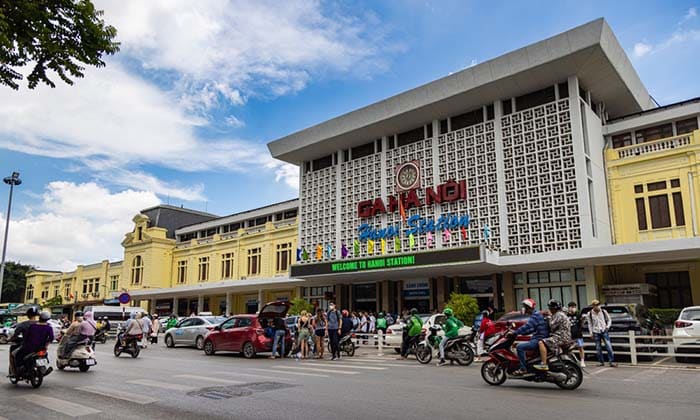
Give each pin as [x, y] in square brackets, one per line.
[181, 260]
[653, 169]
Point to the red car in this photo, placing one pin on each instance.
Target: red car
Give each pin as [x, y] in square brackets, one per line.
[246, 333]
[507, 320]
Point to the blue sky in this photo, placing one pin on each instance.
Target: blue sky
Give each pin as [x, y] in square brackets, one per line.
[182, 114]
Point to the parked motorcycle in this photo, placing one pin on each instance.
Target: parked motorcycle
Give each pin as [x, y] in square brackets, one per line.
[128, 344]
[456, 350]
[32, 369]
[82, 356]
[502, 361]
[345, 344]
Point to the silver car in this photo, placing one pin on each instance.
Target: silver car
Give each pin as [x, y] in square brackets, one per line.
[191, 331]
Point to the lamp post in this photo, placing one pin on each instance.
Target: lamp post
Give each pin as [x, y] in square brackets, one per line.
[11, 180]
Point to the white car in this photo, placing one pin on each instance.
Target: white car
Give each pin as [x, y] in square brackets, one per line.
[687, 325]
[394, 333]
[191, 331]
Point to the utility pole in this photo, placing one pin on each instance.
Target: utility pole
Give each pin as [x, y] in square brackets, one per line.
[11, 180]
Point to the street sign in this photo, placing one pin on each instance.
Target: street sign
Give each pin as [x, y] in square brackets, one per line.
[124, 298]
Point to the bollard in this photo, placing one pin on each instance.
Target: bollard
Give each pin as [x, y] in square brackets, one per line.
[380, 337]
[633, 347]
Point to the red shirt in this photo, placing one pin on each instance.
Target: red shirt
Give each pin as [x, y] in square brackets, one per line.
[487, 327]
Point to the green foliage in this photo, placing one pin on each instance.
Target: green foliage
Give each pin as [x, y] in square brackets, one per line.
[51, 35]
[54, 301]
[299, 305]
[15, 281]
[666, 316]
[465, 307]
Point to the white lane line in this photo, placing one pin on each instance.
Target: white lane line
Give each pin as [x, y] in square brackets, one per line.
[661, 361]
[381, 363]
[120, 395]
[351, 366]
[61, 406]
[340, 372]
[288, 373]
[156, 384]
[601, 371]
[209, 379]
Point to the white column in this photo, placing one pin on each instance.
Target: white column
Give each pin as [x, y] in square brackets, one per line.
[200, 304]
[175, 305]
[229, 307]
[500, 175]
[260, 299]
[152, 306]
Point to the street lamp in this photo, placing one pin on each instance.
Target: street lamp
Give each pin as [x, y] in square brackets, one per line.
[11, 180]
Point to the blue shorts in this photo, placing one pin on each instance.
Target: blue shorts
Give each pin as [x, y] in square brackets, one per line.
[579, 342]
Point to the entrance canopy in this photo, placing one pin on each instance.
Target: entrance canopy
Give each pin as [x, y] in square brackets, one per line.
[222, 287]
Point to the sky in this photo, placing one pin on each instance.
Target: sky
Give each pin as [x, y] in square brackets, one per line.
[183, 113]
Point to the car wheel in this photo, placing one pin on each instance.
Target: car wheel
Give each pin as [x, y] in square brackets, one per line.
[248, 350]
[199, 343]
[169, 342]
[209, 348]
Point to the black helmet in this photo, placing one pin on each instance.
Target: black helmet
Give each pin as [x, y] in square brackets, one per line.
[554, 304]
[32, 312]
[78, 313]
[413, 311]
[44, 316]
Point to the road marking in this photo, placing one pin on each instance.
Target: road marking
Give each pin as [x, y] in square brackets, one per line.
[340, 372]
[288, 373]
[662, 360]
[601, 370]
[351, 366]
[382, 363]
[61, 406]
[156, 384]
[120, 395]
[209, 379]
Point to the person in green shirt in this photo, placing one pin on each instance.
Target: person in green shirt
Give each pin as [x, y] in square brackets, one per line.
[451, 328]
[172, 322]
[381, 323]
[414, 325]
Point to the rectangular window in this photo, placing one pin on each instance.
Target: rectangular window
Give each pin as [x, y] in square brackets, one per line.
[56, 291]
[534, 99]
[686, 126]
[284, 257]
[675, 183]
[113, 282]
[203, 271]
[322, 163]
[412, 136]
[563, 90]
[66, 291]
[490, 113]
[622, 140]
[641, 214]
[254, 261]
[467, 119]
[227, 265]
[654, 133]
[362, 151]
[443, 126]
[656, 186]
[672, 288]
[658, 207]
[290, 214]
[507, 107]
[182, 271]
[638, 189]
[678, 209]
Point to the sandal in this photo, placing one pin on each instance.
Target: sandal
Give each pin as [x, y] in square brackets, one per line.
[519, 372]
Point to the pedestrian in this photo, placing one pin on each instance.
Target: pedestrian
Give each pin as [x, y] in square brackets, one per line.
[355, 321]
[334, 325]
[347, 324]
[155, 329]
[364, 326]
[577, 331]
[389, 319]
[599, 323]
[412, 330]
[486, 330]
[147, 327]
[320, 324]
[372, 323]
[280, 334]
[304, 328]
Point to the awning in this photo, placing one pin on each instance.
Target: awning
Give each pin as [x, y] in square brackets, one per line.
[222, 287]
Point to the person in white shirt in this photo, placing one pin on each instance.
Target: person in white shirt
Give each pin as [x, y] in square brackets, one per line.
[599, 323]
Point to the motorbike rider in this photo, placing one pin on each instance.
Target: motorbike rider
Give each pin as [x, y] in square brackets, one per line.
[381, 323]
[37, 337]
[134, 326]
[451, 328]
[559, 333]
[172, 322]
[20, 333]
[414, 326]
[85, 331]
[105, 324]
[537, 326]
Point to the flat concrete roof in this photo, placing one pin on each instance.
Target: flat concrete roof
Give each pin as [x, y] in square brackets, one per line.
[589, 51]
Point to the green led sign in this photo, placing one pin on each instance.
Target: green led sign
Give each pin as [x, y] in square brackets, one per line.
[374, 263]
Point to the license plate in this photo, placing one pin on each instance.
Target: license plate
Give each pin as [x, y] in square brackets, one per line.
[42, 362]
[90, 362]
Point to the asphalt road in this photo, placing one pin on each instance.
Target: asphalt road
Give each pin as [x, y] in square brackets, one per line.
[183, 383]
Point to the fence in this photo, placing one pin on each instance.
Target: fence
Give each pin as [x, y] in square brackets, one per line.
[650, 346]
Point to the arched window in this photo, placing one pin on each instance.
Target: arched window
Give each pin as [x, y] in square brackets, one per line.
[137, 270]
[30, 292]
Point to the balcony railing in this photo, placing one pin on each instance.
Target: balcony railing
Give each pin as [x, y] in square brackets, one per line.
[661, 145]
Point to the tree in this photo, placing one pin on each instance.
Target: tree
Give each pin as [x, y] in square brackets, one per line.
[465, 307]
[298, 305]
[54, 301]
[56, 35]
[14, 282]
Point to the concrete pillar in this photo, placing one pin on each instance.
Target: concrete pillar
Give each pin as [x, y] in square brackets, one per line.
[338, 289]
[508, 292]
[152, 306]
[200, 304]
[591, 285]
[229, 307]
[260, 299]
[385, 296]
[176, 303]
[440, 290]
[399, 291]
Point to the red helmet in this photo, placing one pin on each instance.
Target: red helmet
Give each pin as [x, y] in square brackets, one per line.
[529, 303]
[345, 313]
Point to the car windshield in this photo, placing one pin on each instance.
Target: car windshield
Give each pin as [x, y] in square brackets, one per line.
[691, 315]
[214, 319]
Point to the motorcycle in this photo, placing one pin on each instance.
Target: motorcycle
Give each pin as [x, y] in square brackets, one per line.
[101, 336]
[456, 350]
[345, 344]
[32, 369]
[82, 356]
[502, 361]
[128, 344]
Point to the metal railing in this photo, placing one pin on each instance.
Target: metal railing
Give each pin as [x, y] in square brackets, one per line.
[651, 346]
[655, 146]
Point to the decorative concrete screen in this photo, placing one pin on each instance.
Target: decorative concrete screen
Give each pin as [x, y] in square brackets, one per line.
[360, 179]
[540, 179]
[318, 209]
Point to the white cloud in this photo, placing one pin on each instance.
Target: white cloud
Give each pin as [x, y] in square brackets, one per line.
[690, 14]
[289, 174]
[234, 122]
[75, 224]
[641, 49]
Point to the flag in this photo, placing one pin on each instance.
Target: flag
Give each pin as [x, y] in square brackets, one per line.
[430, 239]
[329, 251]
[446, 235]
[397, 244]
[344, 250]
[464, 233]
[304, 254]
[411, 241]
[356, 246]
[319, 252]
[298, 254]
[370, 247]
[402, 211]
[383, 246]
